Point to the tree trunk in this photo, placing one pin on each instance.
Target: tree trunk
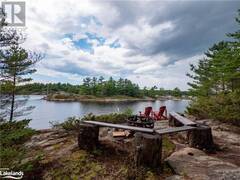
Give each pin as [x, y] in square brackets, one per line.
[201, 138]
[13, 99]
[148, 150]
[88, 137]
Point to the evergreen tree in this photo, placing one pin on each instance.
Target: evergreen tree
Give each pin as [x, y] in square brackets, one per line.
[213, 80]
[212, 74]
[176, 92]
[15, 64]
[7, 37]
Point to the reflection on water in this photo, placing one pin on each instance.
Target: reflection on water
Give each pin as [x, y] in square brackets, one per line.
[46, 111]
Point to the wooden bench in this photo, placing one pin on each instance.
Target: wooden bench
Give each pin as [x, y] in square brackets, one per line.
[140, 129]
[178, 120]
[174, 130]
[148, 142]
[120, 126]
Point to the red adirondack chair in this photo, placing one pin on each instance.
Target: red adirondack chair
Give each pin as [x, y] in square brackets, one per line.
[161, 114]
[147, 112]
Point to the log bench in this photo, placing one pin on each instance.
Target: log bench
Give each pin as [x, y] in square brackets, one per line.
[178, 120]
[148, 142]
[200, 137]
[174, 130]
[120, 126]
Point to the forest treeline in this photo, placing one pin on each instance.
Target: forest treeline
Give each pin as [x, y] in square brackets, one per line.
[100, 87]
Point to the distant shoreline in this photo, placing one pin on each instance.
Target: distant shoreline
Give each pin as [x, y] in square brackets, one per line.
[98, 99]
[87, 98]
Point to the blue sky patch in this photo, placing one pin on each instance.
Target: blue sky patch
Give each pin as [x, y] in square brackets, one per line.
[85, 43]
[115, 44]
[94, 36]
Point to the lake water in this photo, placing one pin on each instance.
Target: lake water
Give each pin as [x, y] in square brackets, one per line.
[46, 111]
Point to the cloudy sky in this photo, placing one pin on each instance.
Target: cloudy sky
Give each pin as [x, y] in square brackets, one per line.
[150, 43]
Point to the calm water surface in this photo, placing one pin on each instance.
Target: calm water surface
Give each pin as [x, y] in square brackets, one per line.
[46, 111]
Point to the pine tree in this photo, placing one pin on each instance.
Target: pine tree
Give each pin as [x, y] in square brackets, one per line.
[15, 64]
[212, 74]
[7, 37]
[235, 48]
[213, 81]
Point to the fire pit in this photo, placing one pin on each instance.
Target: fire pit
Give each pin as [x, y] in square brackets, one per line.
[140, 121]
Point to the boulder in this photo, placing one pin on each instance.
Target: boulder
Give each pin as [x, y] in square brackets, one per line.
[195, 164]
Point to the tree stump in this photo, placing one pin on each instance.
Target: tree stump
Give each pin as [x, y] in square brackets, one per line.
[88, 137]
[148, 150]
[201, 138]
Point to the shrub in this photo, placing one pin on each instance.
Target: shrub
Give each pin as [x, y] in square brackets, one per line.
[72, 123]
[7, 155]
[12, 135]
[222, 107]
[110, 118]
[16, 132]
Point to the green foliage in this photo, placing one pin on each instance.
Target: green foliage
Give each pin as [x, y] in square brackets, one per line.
[78, 165]
[214, 82]
[97, 87]
[15, 64]
[176, 92]
[15, 132]
[128, 112]
[214, 73]
[40, 88]
[12, 152]
[63, 96]
[8, 155]
[223, 107]
[13, 135]
[155, 92]
[168, 146]
[32, 168]
[72, 123]
[111, 118]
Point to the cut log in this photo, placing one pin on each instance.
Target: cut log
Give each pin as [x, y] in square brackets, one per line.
[118, 134]
[201, 138]
[88, 137]
[148, 150]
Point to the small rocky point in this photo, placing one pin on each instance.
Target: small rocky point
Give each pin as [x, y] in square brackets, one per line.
[186, 163]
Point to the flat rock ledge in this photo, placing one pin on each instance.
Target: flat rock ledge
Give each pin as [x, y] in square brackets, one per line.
[190, 163]
[53, 143]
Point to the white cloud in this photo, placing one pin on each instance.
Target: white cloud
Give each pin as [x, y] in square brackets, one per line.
[144, 49]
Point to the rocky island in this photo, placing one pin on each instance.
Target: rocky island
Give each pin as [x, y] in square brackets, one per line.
[65, 97]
